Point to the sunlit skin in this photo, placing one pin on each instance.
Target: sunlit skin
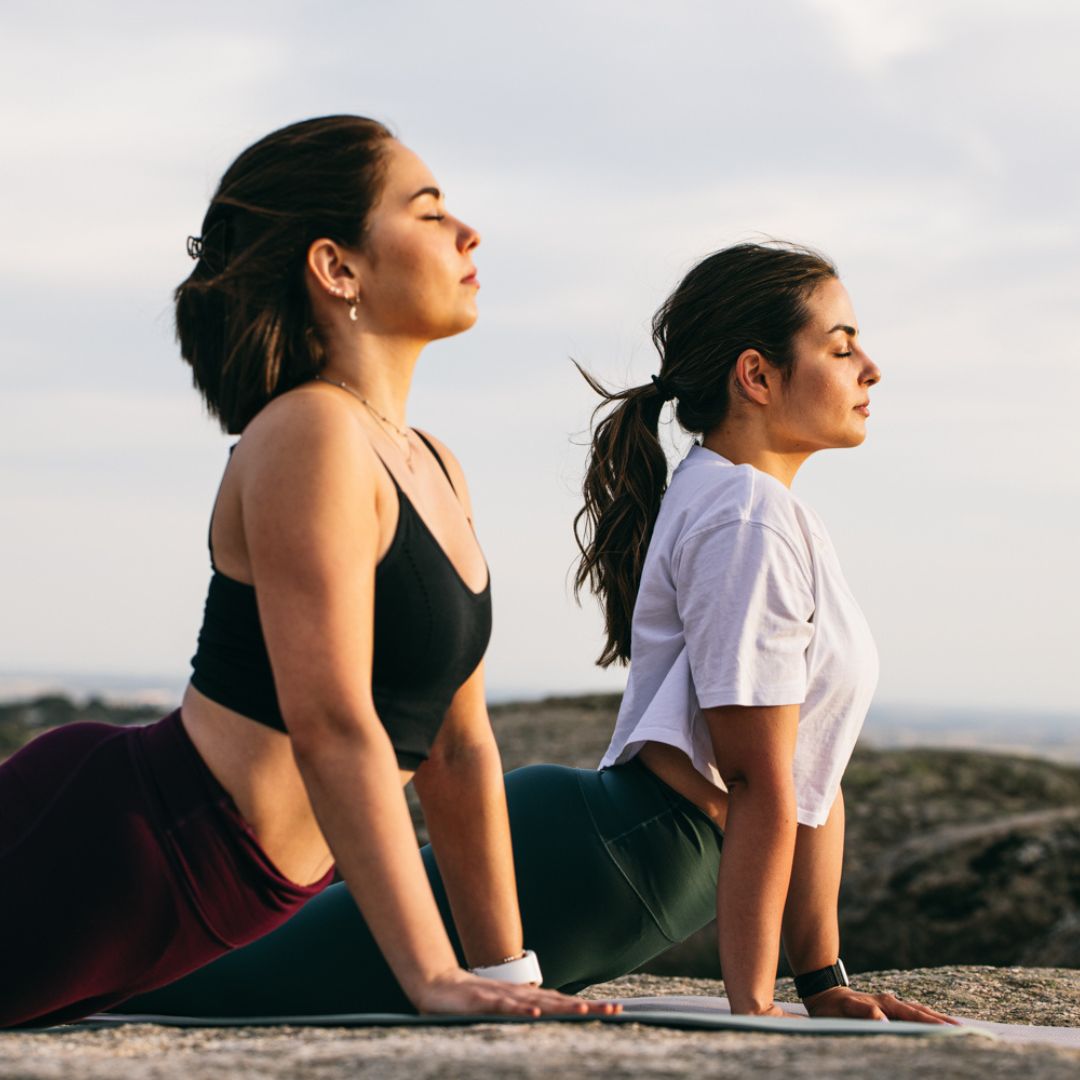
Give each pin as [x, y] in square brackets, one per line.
[305, 512]
[415, 278]
[780, 881]
[774, 423]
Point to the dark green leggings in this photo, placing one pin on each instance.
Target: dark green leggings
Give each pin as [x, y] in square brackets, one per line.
[612, 868]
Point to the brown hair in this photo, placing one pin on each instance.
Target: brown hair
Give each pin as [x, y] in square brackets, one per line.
[243, 317]
[750, 296]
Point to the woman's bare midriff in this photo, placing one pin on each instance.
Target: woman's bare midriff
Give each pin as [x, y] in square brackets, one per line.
[676, 770]
[255, 765]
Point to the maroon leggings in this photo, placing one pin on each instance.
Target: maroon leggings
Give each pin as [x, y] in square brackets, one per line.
[123, 865]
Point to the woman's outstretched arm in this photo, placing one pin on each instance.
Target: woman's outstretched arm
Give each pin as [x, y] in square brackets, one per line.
[461, 790]
[754, 748]
[311, 511]
[812, 933]
[811, 928]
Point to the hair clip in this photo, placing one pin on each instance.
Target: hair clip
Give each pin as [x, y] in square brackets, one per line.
[211, 247]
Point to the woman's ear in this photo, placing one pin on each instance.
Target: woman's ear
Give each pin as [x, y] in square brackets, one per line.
[753, 377]
[328, 265]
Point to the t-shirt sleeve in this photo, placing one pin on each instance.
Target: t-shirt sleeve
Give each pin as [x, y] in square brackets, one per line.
[746, 601]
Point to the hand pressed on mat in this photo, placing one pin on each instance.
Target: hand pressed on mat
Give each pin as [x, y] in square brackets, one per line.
[844, 1002]
[460, 992]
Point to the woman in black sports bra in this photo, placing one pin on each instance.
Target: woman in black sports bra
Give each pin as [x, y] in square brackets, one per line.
[341, 651]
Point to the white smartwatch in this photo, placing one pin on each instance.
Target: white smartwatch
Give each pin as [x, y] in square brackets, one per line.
[514, 969]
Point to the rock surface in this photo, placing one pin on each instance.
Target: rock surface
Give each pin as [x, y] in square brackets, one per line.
[1043, 996]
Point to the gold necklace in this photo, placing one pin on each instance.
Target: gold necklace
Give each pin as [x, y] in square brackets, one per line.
[385, 420]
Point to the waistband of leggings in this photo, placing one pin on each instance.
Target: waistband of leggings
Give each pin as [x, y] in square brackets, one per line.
[184, 786]
[180, 777]
[676, 799]
[631, 793]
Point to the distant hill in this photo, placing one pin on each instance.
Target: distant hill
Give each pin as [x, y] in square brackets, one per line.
[20, 721]
[1044, 734]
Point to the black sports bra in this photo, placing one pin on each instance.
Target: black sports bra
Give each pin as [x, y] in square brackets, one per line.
[431, 631]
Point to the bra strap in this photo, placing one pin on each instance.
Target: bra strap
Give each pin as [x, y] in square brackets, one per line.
[435, 453]
[389, 471]
[213, 511]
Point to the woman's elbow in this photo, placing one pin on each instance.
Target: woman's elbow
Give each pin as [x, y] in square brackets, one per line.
[763, 787]
[317, 727]
[461, 753]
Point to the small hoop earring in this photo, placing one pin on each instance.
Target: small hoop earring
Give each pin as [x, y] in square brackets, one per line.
[354, 303]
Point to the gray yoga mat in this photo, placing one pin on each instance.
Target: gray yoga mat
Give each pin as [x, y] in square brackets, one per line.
[691, 1013]
[717, 1007]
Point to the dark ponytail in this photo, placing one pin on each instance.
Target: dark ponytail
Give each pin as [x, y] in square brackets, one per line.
[243, 318]
[751, 296]
[626, 479]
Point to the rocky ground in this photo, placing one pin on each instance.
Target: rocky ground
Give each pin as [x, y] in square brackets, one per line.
[1042, 996]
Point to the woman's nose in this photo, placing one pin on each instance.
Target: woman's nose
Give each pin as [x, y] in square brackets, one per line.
[468, 237]
[871, 372]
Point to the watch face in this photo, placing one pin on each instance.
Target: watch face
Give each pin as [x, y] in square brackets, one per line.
[843, 973]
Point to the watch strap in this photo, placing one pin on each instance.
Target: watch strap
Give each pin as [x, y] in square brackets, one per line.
[815, 982]
[523, 969]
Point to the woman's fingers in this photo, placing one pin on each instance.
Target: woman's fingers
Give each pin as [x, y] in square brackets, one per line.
[842, 1001]
[911, 1010]
[865, 1008]
[460, 992]
[775, 1011]
[551, 1001]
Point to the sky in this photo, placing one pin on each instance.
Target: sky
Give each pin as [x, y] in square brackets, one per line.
[930, 147]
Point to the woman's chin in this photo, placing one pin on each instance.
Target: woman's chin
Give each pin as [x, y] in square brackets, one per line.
[461, 322]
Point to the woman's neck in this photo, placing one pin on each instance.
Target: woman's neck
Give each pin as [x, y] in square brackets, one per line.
[379, 369]
[749, 444]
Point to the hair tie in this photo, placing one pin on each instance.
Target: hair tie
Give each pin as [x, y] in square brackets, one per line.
[211, 247]
[663, 388]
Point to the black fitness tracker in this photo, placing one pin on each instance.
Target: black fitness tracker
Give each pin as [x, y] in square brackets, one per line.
[814, 982]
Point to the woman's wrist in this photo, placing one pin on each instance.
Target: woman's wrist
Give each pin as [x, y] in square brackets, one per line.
[752, 1007]
[523, 968]
[504, 960]
[419, 983]
[748, 1001]
[811, 983]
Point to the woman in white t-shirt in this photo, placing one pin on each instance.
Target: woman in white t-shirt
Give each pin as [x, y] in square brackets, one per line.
[751, 665]
[752, 671]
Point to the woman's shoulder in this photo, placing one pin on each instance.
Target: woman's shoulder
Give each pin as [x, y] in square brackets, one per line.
[712, 491]
[306, 428]
[725, 511]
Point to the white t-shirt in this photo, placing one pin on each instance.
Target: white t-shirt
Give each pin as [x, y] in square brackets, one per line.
[742, 602]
